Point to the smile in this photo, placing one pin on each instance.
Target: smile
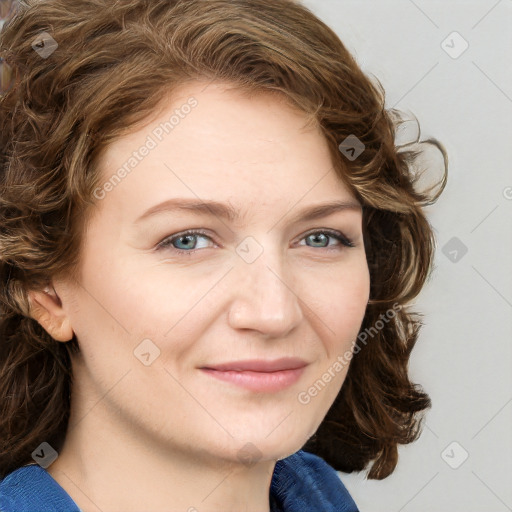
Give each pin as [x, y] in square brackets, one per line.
[258, 381]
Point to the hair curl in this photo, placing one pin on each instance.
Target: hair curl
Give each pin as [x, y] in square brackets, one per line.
[114, 63]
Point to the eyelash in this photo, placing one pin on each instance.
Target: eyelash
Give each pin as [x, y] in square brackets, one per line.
[166, 243]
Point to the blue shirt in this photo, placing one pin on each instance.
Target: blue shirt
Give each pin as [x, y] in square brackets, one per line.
[302, 482]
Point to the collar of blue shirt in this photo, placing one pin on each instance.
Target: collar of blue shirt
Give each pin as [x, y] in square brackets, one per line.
[302, 482]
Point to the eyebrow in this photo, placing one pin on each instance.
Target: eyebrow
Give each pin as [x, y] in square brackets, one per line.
[228, 212]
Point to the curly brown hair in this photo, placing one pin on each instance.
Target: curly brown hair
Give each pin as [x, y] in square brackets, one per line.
[109, 69]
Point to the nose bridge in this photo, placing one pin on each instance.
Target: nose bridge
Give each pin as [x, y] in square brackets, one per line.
[264, 298]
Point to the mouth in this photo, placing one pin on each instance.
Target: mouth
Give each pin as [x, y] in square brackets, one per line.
[259, 375]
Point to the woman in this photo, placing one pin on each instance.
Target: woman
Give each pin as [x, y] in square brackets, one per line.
[208, 244]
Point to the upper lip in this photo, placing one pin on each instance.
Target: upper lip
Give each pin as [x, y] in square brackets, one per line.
[260, 365]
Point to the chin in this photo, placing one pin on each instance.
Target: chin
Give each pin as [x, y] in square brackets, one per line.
[254, 450]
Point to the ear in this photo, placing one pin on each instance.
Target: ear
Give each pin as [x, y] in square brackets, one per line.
[46, 308]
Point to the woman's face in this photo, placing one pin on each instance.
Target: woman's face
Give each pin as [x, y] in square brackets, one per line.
[269, 283]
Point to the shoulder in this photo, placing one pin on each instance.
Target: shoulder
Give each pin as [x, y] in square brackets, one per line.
[304, 481]
[31, 488]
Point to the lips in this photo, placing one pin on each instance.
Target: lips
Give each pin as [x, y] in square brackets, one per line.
[260, 365]
[258, 375]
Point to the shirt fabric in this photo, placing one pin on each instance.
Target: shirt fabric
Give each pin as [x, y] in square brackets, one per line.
[302, 482]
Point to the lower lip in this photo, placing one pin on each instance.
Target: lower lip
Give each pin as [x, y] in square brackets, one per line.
[258, 381]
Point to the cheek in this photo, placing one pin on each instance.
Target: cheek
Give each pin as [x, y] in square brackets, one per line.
[340, 311]
[342, 298]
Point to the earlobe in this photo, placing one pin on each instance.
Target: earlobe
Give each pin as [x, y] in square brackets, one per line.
[46, 308]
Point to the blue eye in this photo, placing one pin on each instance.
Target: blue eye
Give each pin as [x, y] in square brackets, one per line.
[324, 236]
[186, 242]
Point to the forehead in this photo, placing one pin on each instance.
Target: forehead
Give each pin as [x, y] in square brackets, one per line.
[228, 144]
[221, 117]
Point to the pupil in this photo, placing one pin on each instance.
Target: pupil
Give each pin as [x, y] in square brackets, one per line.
[317, 237]
[188, 238]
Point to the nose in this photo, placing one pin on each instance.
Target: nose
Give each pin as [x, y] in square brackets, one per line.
[264, 299]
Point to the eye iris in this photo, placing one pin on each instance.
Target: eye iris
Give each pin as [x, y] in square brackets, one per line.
[190, 238]
[321, 236]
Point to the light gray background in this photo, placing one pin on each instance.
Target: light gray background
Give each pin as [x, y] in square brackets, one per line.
[463, 357]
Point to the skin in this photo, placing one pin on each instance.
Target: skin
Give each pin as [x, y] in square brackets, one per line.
[166, 436]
